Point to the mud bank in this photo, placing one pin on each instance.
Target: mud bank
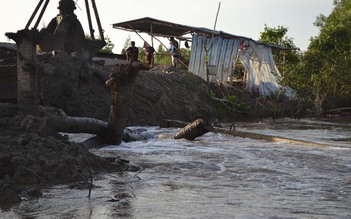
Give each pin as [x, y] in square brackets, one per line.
[33, 155]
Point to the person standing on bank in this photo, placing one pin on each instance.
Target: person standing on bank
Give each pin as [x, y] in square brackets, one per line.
[174, 49]
[132, 52]
[149, 50]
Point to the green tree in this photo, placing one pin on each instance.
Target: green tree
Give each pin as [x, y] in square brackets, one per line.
[109, 45]
[141, 54]
[325, 73]
[286, 60]
[126, 45]
[162, 56]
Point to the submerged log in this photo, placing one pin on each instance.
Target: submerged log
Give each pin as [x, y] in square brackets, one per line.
[194, 129]
[236, 133]
[63, 123]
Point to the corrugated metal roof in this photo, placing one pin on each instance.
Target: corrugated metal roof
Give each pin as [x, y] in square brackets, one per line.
[157, 27]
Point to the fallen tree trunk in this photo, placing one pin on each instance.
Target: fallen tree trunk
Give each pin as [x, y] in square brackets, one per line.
[121, 84]
[256, 136]
[194, 129]
[63, 123]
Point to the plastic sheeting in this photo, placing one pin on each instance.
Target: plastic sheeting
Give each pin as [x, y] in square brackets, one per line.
[222, 54]
[262, 74]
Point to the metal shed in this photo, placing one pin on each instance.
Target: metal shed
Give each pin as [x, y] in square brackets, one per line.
[214, 53]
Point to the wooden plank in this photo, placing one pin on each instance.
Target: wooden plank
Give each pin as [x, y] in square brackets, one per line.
[271, 138]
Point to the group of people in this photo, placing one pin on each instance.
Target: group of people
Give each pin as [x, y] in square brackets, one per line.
[132, 52]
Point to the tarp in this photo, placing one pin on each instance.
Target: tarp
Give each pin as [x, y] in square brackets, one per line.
[263, 75]
[222, 54]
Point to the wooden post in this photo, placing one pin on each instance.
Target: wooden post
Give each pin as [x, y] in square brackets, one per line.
[209, 47]
[89, 20]
[27, 75]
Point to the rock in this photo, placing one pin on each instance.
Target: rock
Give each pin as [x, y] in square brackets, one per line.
[25, 176]
[8, 191]
[6, 167]
[7, 110]
[19, 160]
[34, 192]
[8, 195]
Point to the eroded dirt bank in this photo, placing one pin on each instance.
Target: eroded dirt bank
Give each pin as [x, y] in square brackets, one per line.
[33, 153]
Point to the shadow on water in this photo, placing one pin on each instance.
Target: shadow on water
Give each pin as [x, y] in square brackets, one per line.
[216, 176]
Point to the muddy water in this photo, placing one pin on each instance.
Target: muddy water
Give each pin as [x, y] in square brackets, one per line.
[216, 176]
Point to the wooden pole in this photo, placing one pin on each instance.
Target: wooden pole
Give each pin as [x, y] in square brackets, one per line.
[215, 24]
[268, 138]
[89, 20]
[41, 14]
[209, 47]
[152, 33]
[137, 33]
[98, 20]
[34, 13]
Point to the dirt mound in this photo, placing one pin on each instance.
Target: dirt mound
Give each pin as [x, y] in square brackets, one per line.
[33, 154]
[79, 90]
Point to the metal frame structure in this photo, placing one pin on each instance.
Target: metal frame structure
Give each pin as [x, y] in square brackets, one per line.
[101, 32]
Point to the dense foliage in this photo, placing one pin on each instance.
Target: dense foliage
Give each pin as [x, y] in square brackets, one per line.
[109, 45]
[322, 76]
[286, 60]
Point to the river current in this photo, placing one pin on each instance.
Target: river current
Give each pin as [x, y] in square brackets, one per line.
[216, 176]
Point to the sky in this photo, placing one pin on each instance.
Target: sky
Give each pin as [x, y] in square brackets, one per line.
[239, 17]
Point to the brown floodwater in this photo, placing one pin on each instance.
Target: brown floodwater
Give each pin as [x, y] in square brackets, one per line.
[216, 176]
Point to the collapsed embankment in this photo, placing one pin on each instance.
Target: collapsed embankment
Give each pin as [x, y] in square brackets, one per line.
[33, 153]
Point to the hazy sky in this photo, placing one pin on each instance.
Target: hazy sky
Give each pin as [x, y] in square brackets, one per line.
[240, 17]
